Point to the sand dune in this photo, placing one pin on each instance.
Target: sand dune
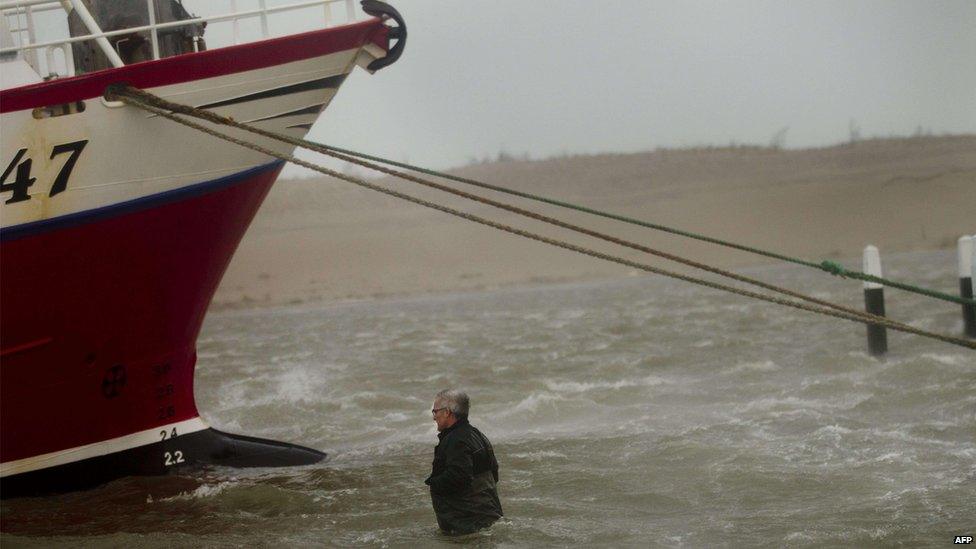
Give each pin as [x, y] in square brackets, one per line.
[324, 239]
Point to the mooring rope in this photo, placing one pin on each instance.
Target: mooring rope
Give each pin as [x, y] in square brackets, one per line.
[159, 102]
[827, 266]
[345, 154]
[144, 100]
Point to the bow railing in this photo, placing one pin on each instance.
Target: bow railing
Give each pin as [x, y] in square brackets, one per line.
[37, 30]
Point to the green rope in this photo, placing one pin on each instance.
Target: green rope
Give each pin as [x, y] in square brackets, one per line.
[827, 266]
[836, 269]
[832, 267]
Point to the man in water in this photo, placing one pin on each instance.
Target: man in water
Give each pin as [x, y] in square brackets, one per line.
[463, 481]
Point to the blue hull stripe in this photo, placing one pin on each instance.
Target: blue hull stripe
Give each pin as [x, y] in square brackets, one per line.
[139, 204]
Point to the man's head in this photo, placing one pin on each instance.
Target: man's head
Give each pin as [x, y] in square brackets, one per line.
[450, 406]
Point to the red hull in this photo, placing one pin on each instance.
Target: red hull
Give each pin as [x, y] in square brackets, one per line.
[104, 288]
[101, 313]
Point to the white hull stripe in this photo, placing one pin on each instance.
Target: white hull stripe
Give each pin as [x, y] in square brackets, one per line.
[105, 447]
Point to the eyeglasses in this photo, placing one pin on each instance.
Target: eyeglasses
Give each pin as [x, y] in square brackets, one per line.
[435, 410]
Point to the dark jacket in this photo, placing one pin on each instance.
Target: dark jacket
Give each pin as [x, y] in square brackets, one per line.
[463, 481]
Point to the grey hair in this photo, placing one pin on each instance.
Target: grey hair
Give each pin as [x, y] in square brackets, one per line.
[456, 401]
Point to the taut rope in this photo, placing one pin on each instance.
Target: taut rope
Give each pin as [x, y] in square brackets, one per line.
[166, 109]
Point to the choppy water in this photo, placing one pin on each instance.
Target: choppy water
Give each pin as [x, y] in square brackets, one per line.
[641, 412]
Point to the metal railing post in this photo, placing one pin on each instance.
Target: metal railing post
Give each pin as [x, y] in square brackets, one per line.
[49, 58]
[69, 59]
[264, 18]
[102, 37]
[237, 23]
[31, 37]
[154, 34]
[17, 32]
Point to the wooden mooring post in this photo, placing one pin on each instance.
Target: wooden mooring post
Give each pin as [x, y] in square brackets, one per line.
[967, 268]
[874, 302]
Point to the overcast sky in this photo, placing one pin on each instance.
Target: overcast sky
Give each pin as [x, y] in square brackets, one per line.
[547, 77]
